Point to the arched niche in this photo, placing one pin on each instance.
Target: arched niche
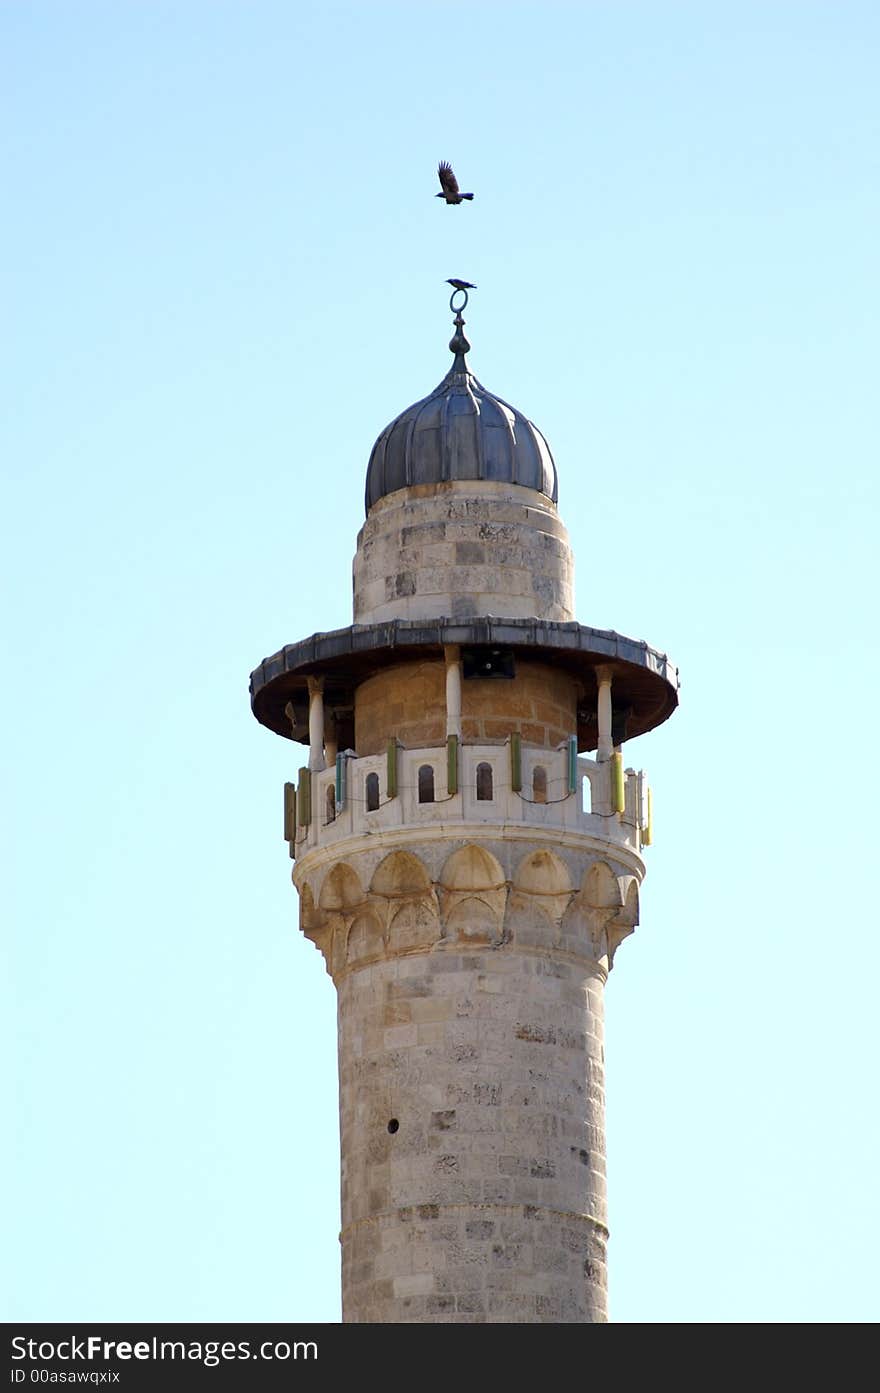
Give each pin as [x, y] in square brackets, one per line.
[600, 888]
[426, 783]
[484, 783]
[316, 924]
[310, 918]
[472, 868]
[365, 940]
[341, 890]
[625, 920]
[583, 926]
[542, 873]
[415, 925]
[527, 922]
[629, 915]
[472, 920]
[400, 873]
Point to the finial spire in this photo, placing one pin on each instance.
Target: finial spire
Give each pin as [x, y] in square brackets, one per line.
[458, 344]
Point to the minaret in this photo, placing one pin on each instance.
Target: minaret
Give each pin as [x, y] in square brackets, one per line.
[468, 869]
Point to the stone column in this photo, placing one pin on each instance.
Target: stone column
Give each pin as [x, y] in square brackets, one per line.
[605, 748]
[316, 723]
[452, 653]
[331, 744]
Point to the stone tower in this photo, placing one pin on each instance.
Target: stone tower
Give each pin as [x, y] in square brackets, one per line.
[468, 870]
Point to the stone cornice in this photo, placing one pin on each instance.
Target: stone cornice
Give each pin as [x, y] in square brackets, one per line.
[398, 838]
[645, 680]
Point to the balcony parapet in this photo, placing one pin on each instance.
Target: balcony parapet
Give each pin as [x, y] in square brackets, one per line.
[473, 785]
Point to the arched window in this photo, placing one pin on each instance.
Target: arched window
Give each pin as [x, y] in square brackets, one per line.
[371, 788]
[331, 803]
[484, 783]
[539, 784]
[586, 795]
[426, 783]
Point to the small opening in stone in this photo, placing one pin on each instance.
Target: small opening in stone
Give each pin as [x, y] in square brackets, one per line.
[393, 1125]
[484, 783]
[539, 784]
[426, 784]
[372, 792]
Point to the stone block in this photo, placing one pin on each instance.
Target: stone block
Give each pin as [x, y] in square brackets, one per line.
[399, 1036]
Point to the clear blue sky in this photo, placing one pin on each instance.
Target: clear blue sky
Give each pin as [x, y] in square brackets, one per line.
[222, 274]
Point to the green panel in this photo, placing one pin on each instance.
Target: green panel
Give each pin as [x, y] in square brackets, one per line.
[516, 762]
[452, 764]
[304, 798]
[572, 763]
[391, 774]
[289, 812]
[618, 783]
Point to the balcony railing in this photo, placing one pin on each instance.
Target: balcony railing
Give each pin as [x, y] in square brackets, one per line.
[492, 784]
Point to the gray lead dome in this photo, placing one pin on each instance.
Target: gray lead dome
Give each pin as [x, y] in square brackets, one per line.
[460, 431]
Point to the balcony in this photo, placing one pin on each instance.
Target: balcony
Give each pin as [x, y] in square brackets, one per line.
[410, 789]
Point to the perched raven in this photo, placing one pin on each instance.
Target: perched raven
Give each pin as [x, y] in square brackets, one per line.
[460, 285]
[449, 184]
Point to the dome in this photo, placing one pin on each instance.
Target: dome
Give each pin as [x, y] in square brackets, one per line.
[460, 431]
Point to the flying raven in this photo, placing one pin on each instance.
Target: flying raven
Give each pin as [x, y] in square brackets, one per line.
[449, 184]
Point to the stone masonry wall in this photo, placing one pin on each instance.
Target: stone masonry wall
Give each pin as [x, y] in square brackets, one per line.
[471, 1106]
[461, 550]
[408, 702]
[470, 983]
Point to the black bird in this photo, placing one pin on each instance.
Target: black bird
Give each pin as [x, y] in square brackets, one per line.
[449, 184]
[460, 285]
